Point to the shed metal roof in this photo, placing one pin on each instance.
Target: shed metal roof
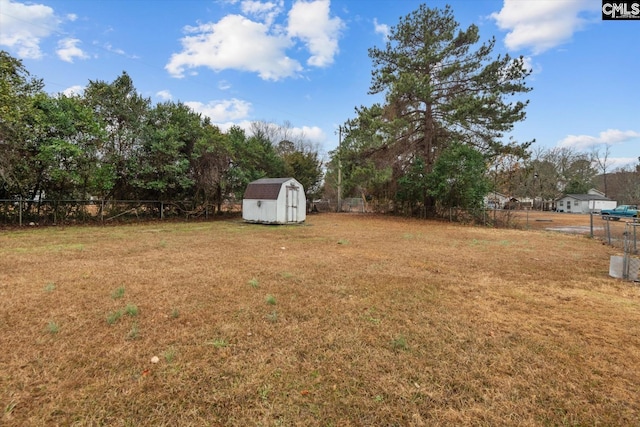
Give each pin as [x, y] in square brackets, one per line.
[265, 188]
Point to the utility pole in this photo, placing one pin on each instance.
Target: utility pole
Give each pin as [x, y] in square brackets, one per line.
[338, 209]
[535, 191]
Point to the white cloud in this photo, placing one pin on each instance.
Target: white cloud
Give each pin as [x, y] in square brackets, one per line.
[621, 162]
[72, 17]
[609, 137]
[24, 26]
[76, 90]
[68, 49]
[235, 112]
[112, 49]
[382, 29]
[309, 133]
[259, 44]
[238, 43]
[109, 47]
[165, 95]
[223, 110]
[266, 11]
[527, 64]
[311, 22]
[224, 85]
[243, 124]
[613, 136]
[541, 25]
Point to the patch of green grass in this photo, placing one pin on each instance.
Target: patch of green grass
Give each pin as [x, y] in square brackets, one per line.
[53, 327]
[50, 287]
[273, 316]
[134, 332]
[175, 313]
[114, 316]
[131, 310]
[287, 275]
[219, 343]
[270, 299]
[9, 408]
[343, 242]
[371, 317]
[118, 293]
[400, 343]
[264, 392]
[170, 354]
[254, 283]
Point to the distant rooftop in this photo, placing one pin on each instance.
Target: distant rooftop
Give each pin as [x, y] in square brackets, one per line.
[587, 197]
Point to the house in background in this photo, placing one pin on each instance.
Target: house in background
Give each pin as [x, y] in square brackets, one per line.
[592, 202]
[495, 200]
[274, 201]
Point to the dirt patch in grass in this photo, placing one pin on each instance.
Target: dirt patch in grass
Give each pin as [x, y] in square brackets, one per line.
[347, 320]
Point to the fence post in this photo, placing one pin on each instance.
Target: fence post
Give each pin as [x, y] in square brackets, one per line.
[591, 223]
[102, 211]
[161, 210]
[20, 210]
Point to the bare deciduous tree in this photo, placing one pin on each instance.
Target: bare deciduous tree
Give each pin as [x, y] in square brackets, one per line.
[601, 160]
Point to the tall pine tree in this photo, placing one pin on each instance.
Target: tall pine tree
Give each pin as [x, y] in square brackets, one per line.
[440, 86]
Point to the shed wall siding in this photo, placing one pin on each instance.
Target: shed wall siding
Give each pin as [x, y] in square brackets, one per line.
[266, 212]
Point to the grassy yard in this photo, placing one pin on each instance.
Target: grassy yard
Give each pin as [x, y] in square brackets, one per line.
[347, 320]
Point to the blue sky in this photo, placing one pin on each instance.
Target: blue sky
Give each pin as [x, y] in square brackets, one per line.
[305, 62]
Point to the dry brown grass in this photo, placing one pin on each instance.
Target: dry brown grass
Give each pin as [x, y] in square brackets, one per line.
[373, 321]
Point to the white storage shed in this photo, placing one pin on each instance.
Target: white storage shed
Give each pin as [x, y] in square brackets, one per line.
[274, 201]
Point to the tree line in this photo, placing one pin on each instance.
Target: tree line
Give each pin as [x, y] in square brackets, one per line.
[111, 143]
[437, 140]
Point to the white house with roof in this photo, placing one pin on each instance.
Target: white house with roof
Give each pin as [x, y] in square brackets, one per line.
[592, 202]
[495, 200]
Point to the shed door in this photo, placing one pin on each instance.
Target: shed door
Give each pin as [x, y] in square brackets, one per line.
[292, 203]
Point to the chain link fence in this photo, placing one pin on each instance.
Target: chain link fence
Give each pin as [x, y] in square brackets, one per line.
[53, 212]
[631, 264]
[621, 233]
